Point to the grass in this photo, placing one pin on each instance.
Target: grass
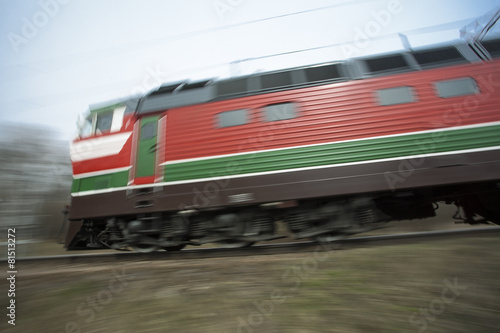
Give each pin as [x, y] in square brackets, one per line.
[380, 289]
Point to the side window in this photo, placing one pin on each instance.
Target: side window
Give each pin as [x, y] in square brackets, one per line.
[394, 96]
[387, 63]
[103, 122]
[321, 73]
[232, 86]
[148, 131]
[438, 56]
[493, 47]
[275, 80]
[457, 87]
[281, 111]
[232, 118]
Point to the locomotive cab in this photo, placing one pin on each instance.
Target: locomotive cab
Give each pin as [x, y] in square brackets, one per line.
[101, 151]
[101, 121]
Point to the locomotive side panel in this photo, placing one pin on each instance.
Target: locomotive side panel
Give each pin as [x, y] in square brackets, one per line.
[445, 141]
[342, 125]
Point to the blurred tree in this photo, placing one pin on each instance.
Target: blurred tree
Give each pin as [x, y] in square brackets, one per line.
[35, 178]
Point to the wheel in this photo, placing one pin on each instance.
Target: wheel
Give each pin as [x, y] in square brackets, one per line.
[174, 248]
[234, 244]
[145, 248]
[329, 238]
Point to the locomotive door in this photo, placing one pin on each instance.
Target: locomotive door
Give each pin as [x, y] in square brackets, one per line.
[145, 166]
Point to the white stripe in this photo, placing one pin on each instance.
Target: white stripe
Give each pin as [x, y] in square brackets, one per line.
[282, 171]
[100, 173]
[160, 148]
[108, 145]
[334, 142]
[133, 153]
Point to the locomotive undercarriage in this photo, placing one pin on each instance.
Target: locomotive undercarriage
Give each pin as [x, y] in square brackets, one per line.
[324, 220]
[150, 232]
[319, 220]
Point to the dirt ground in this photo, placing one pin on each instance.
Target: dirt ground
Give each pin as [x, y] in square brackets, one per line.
[441, 286]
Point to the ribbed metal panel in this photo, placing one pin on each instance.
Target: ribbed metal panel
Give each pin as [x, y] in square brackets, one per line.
[334, 112]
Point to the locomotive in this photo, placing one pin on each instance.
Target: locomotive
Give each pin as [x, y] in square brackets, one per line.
[329, 150]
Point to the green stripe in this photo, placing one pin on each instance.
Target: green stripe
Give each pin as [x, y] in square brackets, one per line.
[117, 179]
[336, 153]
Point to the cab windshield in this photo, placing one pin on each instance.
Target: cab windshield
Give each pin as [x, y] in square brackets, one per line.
[101, 122]
[85, 126]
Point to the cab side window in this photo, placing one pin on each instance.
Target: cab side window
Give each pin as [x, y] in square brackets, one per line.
[103, 122]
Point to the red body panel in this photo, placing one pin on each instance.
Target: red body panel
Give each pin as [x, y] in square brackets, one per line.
[105, 163]
[334, 112]
[120, 160]
[144, 180]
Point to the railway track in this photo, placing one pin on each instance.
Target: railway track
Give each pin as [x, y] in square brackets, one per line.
[264, 249]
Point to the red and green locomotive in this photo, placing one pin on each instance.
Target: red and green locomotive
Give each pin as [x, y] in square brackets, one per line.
[330, 150]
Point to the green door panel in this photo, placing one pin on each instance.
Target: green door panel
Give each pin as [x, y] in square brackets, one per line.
[146, 147]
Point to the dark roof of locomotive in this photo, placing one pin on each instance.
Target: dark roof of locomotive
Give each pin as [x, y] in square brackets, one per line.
[189, 93]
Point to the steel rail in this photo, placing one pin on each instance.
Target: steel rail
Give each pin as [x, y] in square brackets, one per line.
[264, 249]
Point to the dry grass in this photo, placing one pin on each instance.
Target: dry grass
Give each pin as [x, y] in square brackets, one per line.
[400, 288]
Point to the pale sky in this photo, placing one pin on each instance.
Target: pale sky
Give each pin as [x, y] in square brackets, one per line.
[59, 56]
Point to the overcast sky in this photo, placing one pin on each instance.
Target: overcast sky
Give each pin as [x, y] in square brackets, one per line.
[59, 56]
